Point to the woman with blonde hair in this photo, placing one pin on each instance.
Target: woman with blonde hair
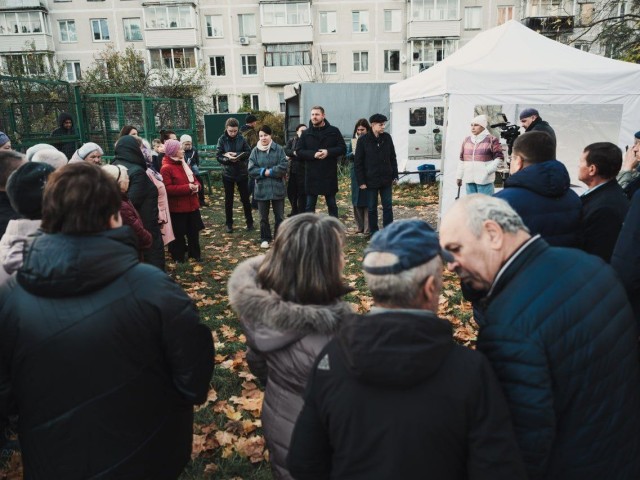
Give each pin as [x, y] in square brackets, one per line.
[289, 306]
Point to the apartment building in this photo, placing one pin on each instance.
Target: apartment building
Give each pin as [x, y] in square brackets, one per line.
[252, 48]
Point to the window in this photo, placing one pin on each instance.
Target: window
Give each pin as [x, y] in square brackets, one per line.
[283, 104]
[360, 61]
[132, 29]
[168, 17]
[250, 101]
[214, 26]
[391, 61]
[217, 67]
[586, 13]
[329, 62]
[100, 30]
[173, 58]
[544, 8]
[247, 24]
[274, 14]
[584, 46]
[29, 64]
[360, 21]
[426, 53]
[73, 71]
[220, 104]
[473, 18]
[392, 20]
[287, 55]
[328, 22]
[505, 13]
[434, 9]
[12, 23]
[249, 65]
[67, 31]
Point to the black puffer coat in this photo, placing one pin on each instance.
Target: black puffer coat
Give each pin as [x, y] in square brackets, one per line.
[375, 160]
[143, 194]
[321, 176]
[104, 358]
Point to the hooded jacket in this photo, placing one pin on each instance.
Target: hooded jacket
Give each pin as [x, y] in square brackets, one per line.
[67, 148]
[104, 358]
[321, 175]
[143, 194]
[283, 341]
[542, 196]
[392, 396]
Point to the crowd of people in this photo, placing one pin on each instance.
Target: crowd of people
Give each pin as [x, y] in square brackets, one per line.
[102, 355]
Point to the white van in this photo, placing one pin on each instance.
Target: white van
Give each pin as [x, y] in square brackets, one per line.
[426, 125]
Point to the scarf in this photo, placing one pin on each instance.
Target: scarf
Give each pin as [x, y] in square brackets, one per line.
[264, 148]
[478, 138]
[186, 168]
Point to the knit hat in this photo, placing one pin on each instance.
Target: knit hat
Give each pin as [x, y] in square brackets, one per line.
[87, 148]
[52, 157]
[527, 112]
[4, 138]
[481, 120]
[25, 187]
[172, 147]
[185, 138]
[31, 151]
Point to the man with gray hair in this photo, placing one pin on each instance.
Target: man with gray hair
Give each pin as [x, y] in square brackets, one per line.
[559, 332]
[393, 396]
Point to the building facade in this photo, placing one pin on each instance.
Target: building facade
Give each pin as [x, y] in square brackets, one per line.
[252, 48]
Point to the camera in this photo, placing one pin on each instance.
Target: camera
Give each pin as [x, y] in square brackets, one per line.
[508, 131]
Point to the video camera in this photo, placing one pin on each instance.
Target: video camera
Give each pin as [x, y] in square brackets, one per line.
[508, 131]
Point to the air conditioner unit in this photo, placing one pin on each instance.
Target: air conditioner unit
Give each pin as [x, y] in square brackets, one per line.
[244, 40]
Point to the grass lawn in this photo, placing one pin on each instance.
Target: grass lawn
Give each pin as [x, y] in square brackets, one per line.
[228, 442]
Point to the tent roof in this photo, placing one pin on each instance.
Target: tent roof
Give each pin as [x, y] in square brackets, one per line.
[513, 59]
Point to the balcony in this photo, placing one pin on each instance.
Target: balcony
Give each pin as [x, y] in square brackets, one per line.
[285, 75]
[175, 37]
[287, 34]
[550, 25]
[15, 5]
[434, 28]
[24, 43]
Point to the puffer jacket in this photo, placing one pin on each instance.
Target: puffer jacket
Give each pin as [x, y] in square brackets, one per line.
[271, 187]
[181, 198]
[542, 196]
[238, 144]
[104, 359]
[479, 161]
[283, 341]
[375, 160]
[561, 337]
[321, 175]
[131, 218]
[15, 241]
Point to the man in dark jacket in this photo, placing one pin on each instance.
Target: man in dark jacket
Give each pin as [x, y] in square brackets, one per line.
[10, 160]
[531, 121]
[250, 134]
[101, 357]
[319, 147]
[65, 127]
[626, 255]
[538, 189]
[560, 334]
[376, 169]
[604, 204]
[393, 396]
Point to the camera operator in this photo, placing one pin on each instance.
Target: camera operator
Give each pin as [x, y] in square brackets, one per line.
[480, 156]
[531, 121]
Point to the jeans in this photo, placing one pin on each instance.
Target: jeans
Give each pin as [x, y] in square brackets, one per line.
[387, 211]
[278, 212]
[487, 188]
[243, 189]
[332, 206]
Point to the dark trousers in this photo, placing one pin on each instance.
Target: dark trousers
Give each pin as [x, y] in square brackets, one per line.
[186, 225]
[278, 212]
[387, 211]
[332, 206]
[201, 191]
[296, 195]
[243, 189]
[252, 186]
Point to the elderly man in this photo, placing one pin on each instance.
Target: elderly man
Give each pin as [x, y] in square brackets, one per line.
[604, 204]
[393, 396]
[561, 337]
[531, 121]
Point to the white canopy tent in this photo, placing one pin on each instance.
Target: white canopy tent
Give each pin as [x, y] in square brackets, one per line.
[586, 98]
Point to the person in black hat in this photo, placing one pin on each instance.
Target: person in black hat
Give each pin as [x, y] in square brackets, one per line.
[392, 394]
[376, 169]
[531, 121]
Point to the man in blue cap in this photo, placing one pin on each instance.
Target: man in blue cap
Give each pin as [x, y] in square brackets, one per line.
[531, 121]
[392, 395]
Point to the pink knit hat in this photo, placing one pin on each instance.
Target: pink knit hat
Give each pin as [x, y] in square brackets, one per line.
[171, 148]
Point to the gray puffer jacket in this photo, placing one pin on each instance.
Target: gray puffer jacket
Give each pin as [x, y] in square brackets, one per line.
[284, 339]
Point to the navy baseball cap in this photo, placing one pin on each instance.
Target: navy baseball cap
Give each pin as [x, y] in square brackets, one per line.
[527, 112]
[637, 135]
[413, 241]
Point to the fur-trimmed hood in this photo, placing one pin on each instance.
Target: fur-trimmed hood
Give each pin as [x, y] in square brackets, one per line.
[271, 322]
